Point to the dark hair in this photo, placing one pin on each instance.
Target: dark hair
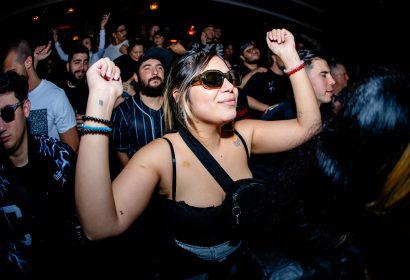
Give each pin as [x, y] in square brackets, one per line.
[134, 42]
[77, 49]
[333, 62]
[308, 55]
[327, 183]
[359, 148]
[180, 75]
[10, 81]
[245, 44]
[160, 33]
[22, 49]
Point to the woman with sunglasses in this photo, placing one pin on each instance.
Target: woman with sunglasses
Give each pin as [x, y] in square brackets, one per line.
[200, 100]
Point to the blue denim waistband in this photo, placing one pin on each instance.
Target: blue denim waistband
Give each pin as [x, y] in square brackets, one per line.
[217, 253]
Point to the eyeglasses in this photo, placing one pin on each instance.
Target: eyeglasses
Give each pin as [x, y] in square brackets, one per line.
[8, 111]
[215, 78]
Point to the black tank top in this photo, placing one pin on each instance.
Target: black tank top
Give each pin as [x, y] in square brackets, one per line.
[201, 226]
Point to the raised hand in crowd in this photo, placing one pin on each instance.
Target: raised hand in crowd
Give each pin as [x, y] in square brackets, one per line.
[41, 53]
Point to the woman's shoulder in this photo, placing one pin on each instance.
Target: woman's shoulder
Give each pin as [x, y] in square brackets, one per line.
[245, 127]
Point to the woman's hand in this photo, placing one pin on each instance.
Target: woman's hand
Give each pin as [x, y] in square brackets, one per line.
[104, 79]
[282, 43]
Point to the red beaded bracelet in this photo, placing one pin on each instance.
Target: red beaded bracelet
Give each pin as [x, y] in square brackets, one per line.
[292, 71]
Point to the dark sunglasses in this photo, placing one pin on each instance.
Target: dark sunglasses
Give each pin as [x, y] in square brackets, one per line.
[8, 111]
[215, 78]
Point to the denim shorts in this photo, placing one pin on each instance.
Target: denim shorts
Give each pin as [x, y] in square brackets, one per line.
[217, 253]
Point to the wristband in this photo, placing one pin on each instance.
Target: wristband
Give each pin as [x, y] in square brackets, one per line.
[297, 68]
[97, 120]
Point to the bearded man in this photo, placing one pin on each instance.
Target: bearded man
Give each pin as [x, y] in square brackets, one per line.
[139, 119]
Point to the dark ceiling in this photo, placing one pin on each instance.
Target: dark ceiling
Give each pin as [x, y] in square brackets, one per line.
[362, 31]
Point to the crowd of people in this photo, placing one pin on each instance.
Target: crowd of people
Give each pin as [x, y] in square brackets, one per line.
[103, 170]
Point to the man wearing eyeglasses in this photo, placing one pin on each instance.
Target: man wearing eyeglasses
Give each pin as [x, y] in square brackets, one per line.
[39, 231]
[119, 42]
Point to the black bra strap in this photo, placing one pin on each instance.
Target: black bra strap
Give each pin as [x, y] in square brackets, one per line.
[207, 160]
[174, 169]
[244, 143]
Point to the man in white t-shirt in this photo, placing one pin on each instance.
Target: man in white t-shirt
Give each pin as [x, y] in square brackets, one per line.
[51, 112]
[118, 44]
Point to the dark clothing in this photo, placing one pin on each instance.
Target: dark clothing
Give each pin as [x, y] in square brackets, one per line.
[127, 65]
[268, 165]
[200, 241]
[135, 125]
[216, 47]
[242, 107]
[283, 111]
[268, 88]
[199, 226]
[241, 68]
[39, 232]
[312, 234]
[77, 95]
[385, 238]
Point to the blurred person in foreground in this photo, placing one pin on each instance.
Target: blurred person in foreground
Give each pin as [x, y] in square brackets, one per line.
[342, 201]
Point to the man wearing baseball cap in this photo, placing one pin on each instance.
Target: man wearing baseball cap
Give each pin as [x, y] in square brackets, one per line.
[139, 119]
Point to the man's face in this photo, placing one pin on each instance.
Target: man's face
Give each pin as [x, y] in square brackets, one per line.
[251, 54]
[210, 33]
[12, 132]
[340, 76]
[322, 81]
[121, 34]
[78, 66]
[151, 77]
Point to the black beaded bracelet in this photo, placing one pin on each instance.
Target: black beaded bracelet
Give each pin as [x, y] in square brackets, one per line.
[97, 120]
[84, 131]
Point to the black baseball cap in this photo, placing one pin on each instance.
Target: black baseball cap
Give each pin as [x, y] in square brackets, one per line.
[246, 44]
[163, 55]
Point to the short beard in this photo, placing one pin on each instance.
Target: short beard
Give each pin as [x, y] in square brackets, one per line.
[152, 91]
[73, 80]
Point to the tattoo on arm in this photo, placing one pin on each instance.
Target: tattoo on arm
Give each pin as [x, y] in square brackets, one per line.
[237, 142]
[100, 102]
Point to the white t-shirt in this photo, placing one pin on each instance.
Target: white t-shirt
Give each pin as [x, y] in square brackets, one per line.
[51, 112]
[113, 52]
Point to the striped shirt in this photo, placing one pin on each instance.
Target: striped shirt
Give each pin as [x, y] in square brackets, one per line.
[135, 125]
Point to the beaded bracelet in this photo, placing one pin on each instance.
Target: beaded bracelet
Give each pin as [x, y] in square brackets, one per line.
[85, 129]
[97, 120]
[292, 71]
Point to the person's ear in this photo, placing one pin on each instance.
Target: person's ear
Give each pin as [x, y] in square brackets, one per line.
[26, 108]
[67, 65]
[176, 95]
[28, 62]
